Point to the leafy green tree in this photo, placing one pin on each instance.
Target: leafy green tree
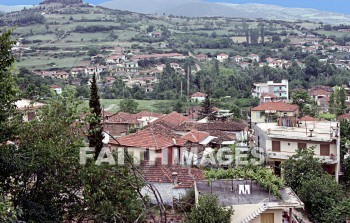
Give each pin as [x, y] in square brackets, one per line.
[95, 133]
[340, 213]
[320, 194]
[300, 167]
[209, 211]
[9, 92]
[207, 109]
[337, 101]
[128, 105]
[93, 51]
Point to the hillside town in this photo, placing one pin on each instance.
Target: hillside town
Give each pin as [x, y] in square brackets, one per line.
[108, 115]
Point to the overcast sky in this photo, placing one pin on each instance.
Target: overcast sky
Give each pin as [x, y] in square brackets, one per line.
[342, 6]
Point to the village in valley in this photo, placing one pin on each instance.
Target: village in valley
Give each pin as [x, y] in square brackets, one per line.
[248, 119]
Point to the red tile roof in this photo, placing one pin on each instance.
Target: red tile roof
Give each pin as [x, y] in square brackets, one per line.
[148, 114]
[317, 92]
[276, 106]
[122, 117]
[344, 117]
[172, 119]
[186, 176]
[308, 119]
[55, 86]
[268, 95]
[228, 126]
[154, 137]
[198, 94]
[195, 136]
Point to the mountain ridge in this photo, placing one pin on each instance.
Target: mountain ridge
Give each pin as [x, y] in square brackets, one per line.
[200, 8]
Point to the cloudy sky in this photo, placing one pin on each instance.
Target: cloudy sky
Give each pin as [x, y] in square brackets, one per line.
[342, 6]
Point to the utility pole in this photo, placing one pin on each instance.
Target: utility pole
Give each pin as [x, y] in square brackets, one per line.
[188, 80]
[181, 90]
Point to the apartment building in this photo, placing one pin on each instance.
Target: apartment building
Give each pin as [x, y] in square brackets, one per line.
[280, 90]
[277, 143]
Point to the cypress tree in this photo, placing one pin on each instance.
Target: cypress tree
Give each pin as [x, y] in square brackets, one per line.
[95, 122]
[207, 109]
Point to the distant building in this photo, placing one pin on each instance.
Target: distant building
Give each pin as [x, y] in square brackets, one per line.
[28, 109]
[198, 97]
[253, 57]
[202, 57]
[282, 113]
[279, 142]
[280, 90]
[57, 89]
[222, 57]
[250, 202]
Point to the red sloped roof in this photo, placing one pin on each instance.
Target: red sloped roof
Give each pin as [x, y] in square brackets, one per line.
[148, 114]
[276, 106]
[156, 137]
[198, 94]
[173, 118]
[55, 86]
[308, 119]
[195, 136]
[268, 95]
[316, 92]
[122, 117]
[344, 117]
[186, 176]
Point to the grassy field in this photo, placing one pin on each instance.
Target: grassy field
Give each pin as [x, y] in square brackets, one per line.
[112, 105]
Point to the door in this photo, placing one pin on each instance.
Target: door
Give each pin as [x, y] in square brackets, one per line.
[278, 168]
[267, 218]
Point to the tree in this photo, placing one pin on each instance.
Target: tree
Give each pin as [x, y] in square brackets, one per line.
[150, 29]
[209, 211]
[9, 92]
[128, 105]
[207, 109]
[300, 167]
[95, 133]
[320, 194]
[337, 101]
[340, 213]
[92, 51]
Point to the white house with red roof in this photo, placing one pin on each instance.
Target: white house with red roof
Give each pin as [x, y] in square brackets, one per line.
[283, 113]
[280, 90]
[253, 57]
[222, 57]
[198, 97]
[56, 88]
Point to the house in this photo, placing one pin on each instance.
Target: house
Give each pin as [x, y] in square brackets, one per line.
[280, 90]
[56, 88]
[202, 57]
[253, 57]
[282, 113]
[321, 94]
[250, 202]
[267, 97]
[222, 57]
[156, 143]
[238, 59]
[279, 142]
[28, 108]
[244, 65]
[172, 181]
[198, 97]
[120, 123]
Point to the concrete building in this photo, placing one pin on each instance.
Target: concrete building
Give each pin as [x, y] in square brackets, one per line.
[278, 143]
[280, 90]
[283, 113]
[253, 204]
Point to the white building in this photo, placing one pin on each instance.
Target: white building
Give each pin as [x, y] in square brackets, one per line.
[222, 57]
[278, 143]
[280, 90]
[198, 97]
[57, 89]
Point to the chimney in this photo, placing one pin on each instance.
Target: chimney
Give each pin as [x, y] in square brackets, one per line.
[174, 174]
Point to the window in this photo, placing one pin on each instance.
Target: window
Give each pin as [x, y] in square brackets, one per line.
[302, 145]
[258, 114]
[146, 155]
[324, 150]
[276, 146]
